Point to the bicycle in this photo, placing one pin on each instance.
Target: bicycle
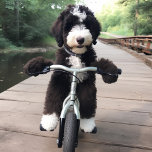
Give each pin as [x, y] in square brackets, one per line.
[70, 115]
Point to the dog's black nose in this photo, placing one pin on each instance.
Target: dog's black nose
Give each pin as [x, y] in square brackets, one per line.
[80, 40]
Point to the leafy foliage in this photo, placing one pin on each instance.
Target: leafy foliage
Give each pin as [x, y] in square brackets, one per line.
[4, 42]
[126, 17]
[28, 22]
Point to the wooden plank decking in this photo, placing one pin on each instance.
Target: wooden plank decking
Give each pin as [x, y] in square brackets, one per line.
[124, 113]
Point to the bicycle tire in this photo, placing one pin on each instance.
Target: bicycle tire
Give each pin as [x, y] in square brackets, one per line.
[70, 131]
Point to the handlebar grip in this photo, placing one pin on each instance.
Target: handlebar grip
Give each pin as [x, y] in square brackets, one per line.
[44, 71]
[99, 71]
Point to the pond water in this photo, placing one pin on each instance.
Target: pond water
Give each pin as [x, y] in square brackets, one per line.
[11, 67]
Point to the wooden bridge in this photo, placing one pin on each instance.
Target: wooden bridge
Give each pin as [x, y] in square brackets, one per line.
[124, 113]
[137, 43]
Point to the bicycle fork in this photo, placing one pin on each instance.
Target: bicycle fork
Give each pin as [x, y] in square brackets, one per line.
[71, 102]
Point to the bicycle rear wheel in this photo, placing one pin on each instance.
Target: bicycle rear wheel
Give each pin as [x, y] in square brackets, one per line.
[70, 132]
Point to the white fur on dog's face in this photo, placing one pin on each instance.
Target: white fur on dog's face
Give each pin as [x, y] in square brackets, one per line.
[76, 32]
[82, 16]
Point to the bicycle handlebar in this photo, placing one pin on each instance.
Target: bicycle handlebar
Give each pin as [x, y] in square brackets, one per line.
[61, 67]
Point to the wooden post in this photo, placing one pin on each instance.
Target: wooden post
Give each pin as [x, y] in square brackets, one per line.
[127, 42]
[138, 45]
[147, 49]
[133, 43]
[122, 42]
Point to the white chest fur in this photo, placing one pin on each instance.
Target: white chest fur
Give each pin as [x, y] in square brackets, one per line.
[75, 62]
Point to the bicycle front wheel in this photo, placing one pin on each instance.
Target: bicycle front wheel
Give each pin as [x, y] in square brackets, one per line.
[70, 132]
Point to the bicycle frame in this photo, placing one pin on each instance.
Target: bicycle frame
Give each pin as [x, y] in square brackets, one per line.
[71, 100]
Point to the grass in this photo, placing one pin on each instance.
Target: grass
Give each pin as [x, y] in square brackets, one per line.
[106, 36]
[122, 33]
[49, 41]
[122, 30]
[9, 47]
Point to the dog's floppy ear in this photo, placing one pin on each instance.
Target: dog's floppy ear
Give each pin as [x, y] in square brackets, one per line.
[94, 26]
[57, 30]
[97, 29]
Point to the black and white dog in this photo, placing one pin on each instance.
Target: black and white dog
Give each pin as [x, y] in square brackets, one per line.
[75, 30]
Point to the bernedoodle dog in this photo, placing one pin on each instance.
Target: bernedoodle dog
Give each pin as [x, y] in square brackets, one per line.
[75, 31]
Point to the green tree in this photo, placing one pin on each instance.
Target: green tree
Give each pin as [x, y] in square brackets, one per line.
[127, 16]
[28, 21]
[145, 17]
[113, 19]
[140, 15]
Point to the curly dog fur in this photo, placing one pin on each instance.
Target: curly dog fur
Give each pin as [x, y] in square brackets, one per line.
[77, 29]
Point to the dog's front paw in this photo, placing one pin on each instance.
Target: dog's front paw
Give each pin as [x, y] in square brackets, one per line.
[111, 74]
[36, 65]
[88, 125]
[109, 71]
[110, 79]
[49, 122]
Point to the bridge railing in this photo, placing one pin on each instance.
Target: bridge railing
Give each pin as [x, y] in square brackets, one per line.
[138, 43]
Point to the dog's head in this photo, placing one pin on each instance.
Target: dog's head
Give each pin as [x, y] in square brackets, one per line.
[76, 28]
